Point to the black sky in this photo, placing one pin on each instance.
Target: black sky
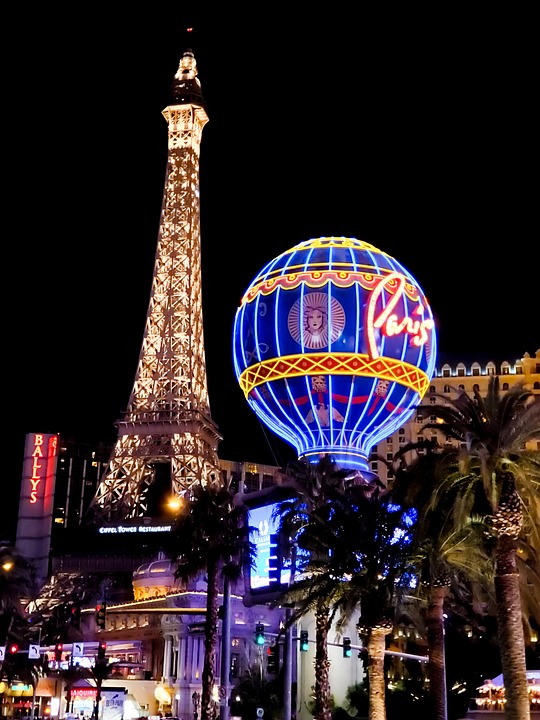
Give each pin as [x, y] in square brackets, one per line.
[417, 132]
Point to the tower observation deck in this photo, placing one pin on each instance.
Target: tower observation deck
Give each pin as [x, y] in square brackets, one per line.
[167, 420]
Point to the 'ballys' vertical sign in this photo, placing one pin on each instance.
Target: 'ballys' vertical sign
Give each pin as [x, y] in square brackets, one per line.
[37, 498]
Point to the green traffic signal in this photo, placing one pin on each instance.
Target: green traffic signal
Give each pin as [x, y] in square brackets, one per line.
[259, 634]
[304, 641]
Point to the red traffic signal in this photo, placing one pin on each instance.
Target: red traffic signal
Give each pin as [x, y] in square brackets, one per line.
[58, 649]
[101, 615]
[102, 649]
[13, 648]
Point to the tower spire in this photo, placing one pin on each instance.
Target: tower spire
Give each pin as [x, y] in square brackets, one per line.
[167, 420]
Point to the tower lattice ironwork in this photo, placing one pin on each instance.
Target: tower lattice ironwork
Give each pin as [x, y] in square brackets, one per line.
[168, 420]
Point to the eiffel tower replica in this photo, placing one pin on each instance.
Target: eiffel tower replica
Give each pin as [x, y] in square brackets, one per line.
[167, 421]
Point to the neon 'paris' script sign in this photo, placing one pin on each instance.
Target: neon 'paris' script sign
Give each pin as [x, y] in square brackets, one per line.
[388, 322]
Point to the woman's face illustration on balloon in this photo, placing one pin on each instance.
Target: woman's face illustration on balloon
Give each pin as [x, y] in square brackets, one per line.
[315, 320]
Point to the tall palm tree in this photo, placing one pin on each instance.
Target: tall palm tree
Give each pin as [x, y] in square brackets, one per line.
[452, 564]
[356, 560]
[498, 477]
[210, 537]
[305, 520]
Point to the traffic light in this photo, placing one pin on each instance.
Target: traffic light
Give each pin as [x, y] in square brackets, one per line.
[347, 650]
[235, 660]
[58, 649]
[101, 615]
[304, 641]
[102, 649]
[75, 617]
[13, 648]
[273, 659]
[259, 634]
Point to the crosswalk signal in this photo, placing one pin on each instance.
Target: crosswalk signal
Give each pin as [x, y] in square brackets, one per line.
[304, 640]
[102, 649]
[259, 634]
[347, 650]
[101, 615]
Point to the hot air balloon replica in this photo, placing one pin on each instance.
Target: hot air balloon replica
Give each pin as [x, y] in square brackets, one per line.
[334, 346]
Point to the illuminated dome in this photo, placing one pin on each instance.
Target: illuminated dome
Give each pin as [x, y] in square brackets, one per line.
[334, 346]
[154, 579]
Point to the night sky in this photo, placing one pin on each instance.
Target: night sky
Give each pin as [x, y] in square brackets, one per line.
[415, 132]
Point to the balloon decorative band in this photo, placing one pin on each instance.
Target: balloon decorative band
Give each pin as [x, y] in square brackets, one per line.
[344, 278]
[287, 366]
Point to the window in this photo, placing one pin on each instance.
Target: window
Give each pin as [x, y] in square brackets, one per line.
[389, 440]
[446, 372]
[462, 387]
[447, 389]
[476, 387]
[402, 439]
[374, 467]
[432, 389]
[536, 386]
[519, 370]
[432, 401]
[476, 370]
[389, 456]
[419, 417]
[505, 386]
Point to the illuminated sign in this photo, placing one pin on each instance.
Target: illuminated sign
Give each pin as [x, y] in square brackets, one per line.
[127, 529]
[334, 346]
[45, 448]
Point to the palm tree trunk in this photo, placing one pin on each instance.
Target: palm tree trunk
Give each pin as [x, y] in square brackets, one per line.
[510, 630]
[210, 639]
[323, 711]
[376, 646]
[435, 638]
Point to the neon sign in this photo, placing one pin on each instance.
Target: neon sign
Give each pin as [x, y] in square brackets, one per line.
[41, 455]
[334, 346]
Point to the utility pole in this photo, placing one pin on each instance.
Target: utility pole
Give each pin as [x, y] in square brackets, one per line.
[224, 682]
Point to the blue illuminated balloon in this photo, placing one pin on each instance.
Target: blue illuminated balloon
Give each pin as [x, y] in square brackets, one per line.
[334, 345]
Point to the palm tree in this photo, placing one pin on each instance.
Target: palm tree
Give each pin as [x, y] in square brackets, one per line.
[210, 536]
[499, 478]
[355, 546]
[304, 519]
[17, 588]
[452, 564]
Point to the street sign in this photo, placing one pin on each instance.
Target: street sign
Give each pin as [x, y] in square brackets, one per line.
[260, 712]
[78, 650]
[2, 652]
[33, 652]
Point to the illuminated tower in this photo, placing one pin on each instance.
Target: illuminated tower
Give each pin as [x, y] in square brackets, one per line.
[167, 420]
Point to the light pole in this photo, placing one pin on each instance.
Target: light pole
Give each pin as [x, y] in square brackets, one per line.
[224, 689]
